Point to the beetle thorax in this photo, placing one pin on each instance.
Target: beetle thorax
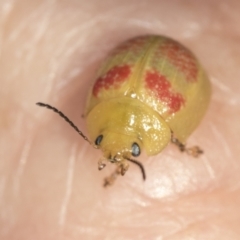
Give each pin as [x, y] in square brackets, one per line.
[124, 121]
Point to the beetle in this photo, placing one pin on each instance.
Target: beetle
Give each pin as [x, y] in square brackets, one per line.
[149, 91]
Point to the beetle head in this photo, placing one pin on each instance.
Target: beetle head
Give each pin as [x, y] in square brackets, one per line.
[119, 148]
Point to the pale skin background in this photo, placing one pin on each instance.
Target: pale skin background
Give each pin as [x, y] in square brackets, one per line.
[50, 187]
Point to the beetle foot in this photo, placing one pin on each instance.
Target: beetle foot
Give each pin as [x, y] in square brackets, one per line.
[108, 181]
[120, 170]
[123, 168]
[194, 151]
[101, 164]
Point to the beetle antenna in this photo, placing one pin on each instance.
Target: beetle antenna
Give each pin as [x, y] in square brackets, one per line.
[65, 118]
[140, 166]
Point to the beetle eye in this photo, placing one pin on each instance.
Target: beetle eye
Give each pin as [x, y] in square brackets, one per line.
[98, 140]
[135, 150]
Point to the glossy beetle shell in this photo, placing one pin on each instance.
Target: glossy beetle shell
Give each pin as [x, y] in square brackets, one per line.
[148, 88]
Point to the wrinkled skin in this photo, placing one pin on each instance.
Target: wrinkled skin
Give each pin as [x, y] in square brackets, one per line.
[50, 187]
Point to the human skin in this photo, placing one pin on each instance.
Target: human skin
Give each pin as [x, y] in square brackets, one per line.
[50, 187]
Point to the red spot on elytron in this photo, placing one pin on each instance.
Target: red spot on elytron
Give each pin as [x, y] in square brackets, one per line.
[112, 79]
[162, 88]
[182, 58]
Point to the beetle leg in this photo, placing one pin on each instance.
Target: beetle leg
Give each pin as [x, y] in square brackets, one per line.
[120, 170]
[194, 151]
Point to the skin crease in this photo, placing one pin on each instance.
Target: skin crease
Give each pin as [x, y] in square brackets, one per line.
[50, 187]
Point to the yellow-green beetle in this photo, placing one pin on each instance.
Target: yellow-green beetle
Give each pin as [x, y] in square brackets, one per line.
[150, 91]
